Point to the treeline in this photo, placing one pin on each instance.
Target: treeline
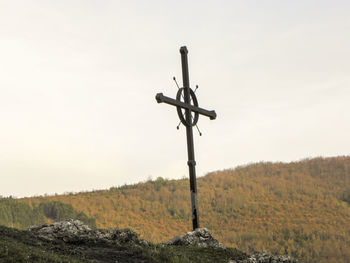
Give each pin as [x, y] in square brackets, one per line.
[300, 208]
[14, 213]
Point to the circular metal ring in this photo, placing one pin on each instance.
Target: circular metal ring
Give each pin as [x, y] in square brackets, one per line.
[193, 121]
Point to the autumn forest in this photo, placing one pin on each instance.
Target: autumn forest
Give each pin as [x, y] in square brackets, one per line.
[299, 208]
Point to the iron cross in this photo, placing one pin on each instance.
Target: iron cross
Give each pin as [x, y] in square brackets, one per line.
[189, 105]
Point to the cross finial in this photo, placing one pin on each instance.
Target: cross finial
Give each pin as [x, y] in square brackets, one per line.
[184, 50]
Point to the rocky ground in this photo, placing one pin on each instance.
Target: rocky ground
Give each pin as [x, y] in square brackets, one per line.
[73, 241]
[76, 232]
[264, 257]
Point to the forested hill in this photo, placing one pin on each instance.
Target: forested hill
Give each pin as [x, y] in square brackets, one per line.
[18, 214]
[301, 208]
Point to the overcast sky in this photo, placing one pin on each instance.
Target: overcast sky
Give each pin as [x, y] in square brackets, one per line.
[78, 81]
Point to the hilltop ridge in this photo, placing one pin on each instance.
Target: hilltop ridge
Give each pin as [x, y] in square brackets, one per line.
[73, 241]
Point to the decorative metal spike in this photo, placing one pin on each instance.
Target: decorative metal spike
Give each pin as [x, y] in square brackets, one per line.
[178, 126]
[176, 83]
[200, 134]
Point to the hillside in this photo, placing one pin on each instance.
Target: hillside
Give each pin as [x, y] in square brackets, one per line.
[14, 213]
[300, 208]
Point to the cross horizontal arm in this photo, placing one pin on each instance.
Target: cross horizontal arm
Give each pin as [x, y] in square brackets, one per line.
[161, 98]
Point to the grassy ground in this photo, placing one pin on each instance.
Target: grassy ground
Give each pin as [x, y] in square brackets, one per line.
[20, 246]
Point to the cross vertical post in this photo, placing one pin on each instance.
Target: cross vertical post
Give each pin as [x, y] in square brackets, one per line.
[190, 105]
[190, 143]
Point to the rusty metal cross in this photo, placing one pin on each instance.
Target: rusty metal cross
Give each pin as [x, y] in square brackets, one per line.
[190, 104]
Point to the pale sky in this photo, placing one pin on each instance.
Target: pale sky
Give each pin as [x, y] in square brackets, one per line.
[78, 81]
